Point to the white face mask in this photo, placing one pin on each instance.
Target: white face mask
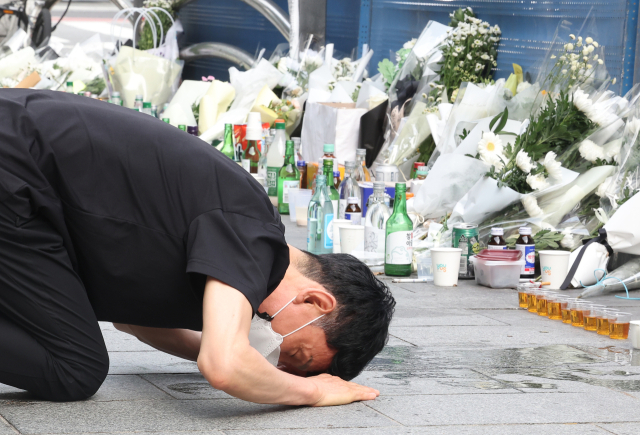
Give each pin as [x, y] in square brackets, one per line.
[265, 340]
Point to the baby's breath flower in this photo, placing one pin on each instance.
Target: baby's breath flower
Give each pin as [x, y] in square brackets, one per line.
[572, 36]
[589, 40]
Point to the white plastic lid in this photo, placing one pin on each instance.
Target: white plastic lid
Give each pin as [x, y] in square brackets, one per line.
[254, 126]
[354, 200]
[139, 97]
[525, 231]
[497, 232]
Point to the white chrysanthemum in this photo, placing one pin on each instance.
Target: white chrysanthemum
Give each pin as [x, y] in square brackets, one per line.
[590, 151]
[523, 161]
[604, 188]
[632, 127]
[572, 36]
[612, 149]
[531, 206]
[553, 166]
[589, 40]
[523, 86]
[568, 46]
[458, 49]
[582, 101]
[493, 159]
[537, 182]
[490, 144]
[410, 44]
[479, 66]
[567, 241]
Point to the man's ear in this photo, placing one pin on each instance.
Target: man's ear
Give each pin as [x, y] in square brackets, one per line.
[324, 301]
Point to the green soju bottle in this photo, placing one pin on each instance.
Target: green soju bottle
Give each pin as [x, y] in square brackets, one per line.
[320, 219]
[399, 237]
[288, 178]
[333, 192]
[228, 148]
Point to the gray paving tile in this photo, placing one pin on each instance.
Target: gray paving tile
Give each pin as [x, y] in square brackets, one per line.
[181, 415]
[128, 387]
[622, 428]
[5, 428]
[533, 408]
[186, 386]
[538, 429]
[117, 341]
[132, 363]
[409, 316]
[462, 381]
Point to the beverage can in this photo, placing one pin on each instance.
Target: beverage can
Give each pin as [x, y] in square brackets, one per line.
[465, 237]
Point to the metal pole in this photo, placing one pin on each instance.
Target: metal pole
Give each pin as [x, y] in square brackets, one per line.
[274, 14]
[217, 49]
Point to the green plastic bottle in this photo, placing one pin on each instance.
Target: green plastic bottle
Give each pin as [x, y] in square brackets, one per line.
[333, 192]
[399, 237]
[288, 178]
[320, 219]
[227, 148]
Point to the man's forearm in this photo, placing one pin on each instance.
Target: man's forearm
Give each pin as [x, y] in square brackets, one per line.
[182, 343]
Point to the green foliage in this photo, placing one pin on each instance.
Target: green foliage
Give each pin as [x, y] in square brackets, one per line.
[96, 86]
[388, 71]
[146, 34]
[547, 239]
[426, 149]
[195, 109]
[459, 15]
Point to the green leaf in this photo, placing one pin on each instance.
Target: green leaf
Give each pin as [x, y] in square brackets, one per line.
[503, 121]
[387, 69]
[494, 120]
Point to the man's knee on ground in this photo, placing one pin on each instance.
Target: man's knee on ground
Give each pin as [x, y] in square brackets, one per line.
[80, 381]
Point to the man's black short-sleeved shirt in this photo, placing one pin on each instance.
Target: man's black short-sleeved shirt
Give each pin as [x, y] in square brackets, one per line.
[146, 211]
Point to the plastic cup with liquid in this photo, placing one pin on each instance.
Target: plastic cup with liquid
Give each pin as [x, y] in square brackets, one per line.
[619, 326]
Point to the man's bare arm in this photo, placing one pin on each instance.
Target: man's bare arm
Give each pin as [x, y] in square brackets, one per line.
[182, 343]
[230, 364]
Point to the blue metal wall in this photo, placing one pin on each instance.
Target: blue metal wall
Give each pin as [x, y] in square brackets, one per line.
[527, 27]
[234, 22]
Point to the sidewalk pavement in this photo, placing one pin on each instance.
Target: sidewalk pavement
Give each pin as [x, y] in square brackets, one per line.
[463, 360]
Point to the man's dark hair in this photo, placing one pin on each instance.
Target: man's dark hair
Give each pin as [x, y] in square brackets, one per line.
[359, 326]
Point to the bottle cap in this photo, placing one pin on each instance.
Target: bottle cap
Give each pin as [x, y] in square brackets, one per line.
[192, 129]
[350, 164]
[336, 173]
[497, 232]
[136, 109]
[139, 97]
[280, 124]
[296, 140]
[422, 170]
[328, 148]
[301, 163]
[361, 152]
[525, 231]
[167, 120]
[69, 83]
[410, 195]
[146, 105]
[115, 93]
[379, 185]
[254, 127]
[181, 126]
[354, 200]
[418, 164]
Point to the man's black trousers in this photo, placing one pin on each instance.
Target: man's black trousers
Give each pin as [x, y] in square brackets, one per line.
[50, 341]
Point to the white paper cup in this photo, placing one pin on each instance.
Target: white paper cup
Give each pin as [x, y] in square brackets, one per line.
[445, 263]
[293, 193]
[351, 238]
[634, 333]
[303, 197]
[337, 223]
[554, 266]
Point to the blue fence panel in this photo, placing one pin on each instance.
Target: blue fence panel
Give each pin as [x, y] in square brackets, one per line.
[527, 27]
[234, 22]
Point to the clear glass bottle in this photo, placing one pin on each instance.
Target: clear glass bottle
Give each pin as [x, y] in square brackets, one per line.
[333, 192]
[399, 237]
[69, 88]
[227, 146]
[275, 160]
[375, 224]
[349, 187]
[288, 178]
[115, 97]
[320, 219]
[154, 110]
[138, 103]
[298, 148]
[362, 173]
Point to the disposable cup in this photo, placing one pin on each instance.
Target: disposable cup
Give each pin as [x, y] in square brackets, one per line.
[554, 266]
[634, 333]
[303, 197]
[337, 224]
[293, 193]
[351, 238]
[446, 265]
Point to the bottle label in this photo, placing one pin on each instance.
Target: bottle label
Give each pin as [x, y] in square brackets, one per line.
[374, 240]
[529, 257]
[399, 248]
[246, 165]
[496, 248]
[272, 180]
[355, 218]
[286, 185]
[328, 231]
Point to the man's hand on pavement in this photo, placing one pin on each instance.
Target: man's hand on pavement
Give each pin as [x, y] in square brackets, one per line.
[335, 391]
